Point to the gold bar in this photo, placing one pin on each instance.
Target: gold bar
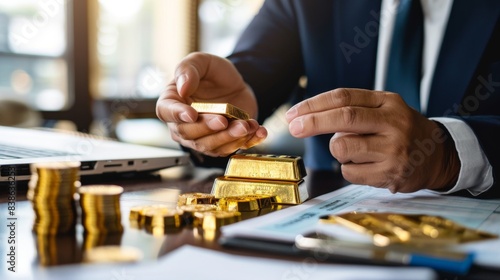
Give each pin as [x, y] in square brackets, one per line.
[287, 192]
[268, 167]
[390, 228]
[226, 109]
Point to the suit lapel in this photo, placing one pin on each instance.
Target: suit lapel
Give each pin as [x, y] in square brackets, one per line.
[469, 29]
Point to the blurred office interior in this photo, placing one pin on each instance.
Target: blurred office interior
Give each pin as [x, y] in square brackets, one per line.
[98, 66]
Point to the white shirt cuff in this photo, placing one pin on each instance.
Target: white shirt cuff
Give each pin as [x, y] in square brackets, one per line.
[476, 173]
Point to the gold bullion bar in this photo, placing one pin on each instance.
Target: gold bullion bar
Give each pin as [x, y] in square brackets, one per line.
[286, 192]
[267, 167]
[226, 109]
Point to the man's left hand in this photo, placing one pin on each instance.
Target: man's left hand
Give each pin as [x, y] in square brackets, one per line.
[380, 141]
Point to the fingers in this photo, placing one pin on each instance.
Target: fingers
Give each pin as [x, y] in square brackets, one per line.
[337, 98]
[171, 109]
[358, 120]
[216, 137]
[354, 148]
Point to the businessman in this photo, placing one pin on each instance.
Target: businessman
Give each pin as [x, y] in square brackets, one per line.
[403, 94]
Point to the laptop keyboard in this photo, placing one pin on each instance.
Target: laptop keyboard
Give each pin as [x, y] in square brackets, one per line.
[13, 152]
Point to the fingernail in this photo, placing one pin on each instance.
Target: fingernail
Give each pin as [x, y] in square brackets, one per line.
[239, 130]
[216, 124]
[180, 82]
[296, 126]
[185, 117]
[291, 113]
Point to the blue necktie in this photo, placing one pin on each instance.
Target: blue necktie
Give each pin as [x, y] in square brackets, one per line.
[404, 70]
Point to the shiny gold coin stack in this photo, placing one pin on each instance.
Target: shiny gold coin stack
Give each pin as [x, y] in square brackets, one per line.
[51, 192]
[100, 206]
[275, 175]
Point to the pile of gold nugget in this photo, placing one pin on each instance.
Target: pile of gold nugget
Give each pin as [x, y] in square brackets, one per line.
[200, 210]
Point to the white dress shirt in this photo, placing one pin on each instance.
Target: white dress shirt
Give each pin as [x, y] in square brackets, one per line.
[476, 173]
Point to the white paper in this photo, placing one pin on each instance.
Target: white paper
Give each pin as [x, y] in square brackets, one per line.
[285, 225]
[189, 262]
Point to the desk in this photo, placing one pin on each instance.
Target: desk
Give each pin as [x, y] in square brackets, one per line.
[34, 251]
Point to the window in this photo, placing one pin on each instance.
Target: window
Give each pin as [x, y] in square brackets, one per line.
[33, 53]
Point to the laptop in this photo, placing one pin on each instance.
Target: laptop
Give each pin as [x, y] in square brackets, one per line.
[19, 147]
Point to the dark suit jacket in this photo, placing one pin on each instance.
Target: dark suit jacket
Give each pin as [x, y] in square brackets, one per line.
[334, 44]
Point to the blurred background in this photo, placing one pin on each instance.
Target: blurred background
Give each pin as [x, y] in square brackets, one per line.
[98, 66]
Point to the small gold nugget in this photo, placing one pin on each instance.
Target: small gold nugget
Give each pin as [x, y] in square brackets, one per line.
[196, 198]
[190, 210]
[214, 220]
[159, 221]
[268, 167]
[225, 109]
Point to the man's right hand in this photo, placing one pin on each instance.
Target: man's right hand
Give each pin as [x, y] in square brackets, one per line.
[202, 77]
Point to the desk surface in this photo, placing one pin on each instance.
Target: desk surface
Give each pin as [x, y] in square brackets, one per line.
[35, 251]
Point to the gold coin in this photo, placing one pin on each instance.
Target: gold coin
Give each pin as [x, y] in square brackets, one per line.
[112, 254]
[101, 190]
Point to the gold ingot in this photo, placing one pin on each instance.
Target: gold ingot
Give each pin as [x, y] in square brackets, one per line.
[225, 109]
[287, 192]
[267, 167]
[214, 220]
[196, 198]
[396, 228]
[112, 254]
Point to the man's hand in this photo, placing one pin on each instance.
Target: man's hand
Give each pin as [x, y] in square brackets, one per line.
[206, 78]
[379, 140]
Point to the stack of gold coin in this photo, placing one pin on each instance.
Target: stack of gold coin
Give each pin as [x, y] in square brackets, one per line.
[100, 206]
[51, 191]
[275, 175]
[214, 220]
